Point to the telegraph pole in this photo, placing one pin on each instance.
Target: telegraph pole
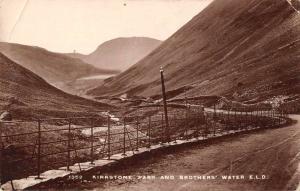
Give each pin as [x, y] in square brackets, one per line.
[165, 103]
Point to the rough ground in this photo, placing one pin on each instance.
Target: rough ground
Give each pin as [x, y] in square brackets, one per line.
[273, 153]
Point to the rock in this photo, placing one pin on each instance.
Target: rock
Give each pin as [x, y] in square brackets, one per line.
[15, 101]
[6, 116]
[296, 4]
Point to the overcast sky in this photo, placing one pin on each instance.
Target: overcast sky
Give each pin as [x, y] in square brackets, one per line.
[82, 25]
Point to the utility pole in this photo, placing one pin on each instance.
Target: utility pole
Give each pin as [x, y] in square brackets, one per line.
[165, 103]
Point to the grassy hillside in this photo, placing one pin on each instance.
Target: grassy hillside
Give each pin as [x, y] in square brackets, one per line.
[241, 49]
[28, 96]
[53, 67]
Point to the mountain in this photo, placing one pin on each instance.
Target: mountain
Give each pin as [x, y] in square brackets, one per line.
[53, 67]
[241, 49]
[28, 96]
[120, 53]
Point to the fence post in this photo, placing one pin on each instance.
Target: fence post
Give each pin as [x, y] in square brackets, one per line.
[198, 117]
[108, 137]
[274, 114]
[124, 137]
[251, 117]
[228, 120]
[174, 125]
[204, 123]
[281, 115]
[224, 118]
[273, 119]
[235, 120]
[215, 113]
[149, 131]
[247, 120]
[240, 118]
[69, 141]
[39, 151]
[206, 126]
[92, 141]
[214, 124]
[137, 134]
[254, 117]
[185, 123]
[259, 116]
[278, 117]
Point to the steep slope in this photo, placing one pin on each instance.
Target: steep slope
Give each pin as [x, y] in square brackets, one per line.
[53, 67]
[246, 49]
[27, 95]
[121, 53]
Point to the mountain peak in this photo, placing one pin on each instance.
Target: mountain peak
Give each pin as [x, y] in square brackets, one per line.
[120, 53]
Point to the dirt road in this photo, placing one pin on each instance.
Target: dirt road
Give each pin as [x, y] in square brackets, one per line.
[264, 160]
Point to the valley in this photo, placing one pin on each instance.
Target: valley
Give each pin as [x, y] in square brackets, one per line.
[220, 97]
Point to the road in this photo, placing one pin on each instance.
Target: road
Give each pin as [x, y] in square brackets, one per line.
[270, 156]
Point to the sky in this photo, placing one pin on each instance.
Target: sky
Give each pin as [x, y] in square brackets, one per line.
[82, 25]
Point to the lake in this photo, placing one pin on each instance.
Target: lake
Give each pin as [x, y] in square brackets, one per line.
[97, 77]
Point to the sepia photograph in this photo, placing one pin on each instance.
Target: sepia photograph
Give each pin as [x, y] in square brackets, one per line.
[150, 95]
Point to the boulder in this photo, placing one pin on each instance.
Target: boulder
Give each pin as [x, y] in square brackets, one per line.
[6, 116]
[296, 4]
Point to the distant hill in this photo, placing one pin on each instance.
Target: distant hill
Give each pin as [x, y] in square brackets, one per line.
[28, 96]
[120, 53]
[53, 67]
[241, 49]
